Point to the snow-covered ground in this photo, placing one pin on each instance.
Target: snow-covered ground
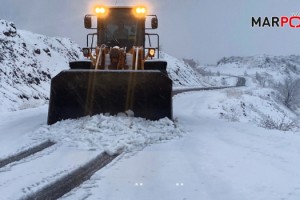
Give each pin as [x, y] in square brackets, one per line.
[77, 142]
[215, 160]
[207, 158]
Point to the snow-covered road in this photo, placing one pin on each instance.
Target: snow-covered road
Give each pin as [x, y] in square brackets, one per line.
[15, 126]
[30, 174]
[77, 142]
[215, 159]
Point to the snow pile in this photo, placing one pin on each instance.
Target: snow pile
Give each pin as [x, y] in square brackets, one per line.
[27, 63]
[109, 133]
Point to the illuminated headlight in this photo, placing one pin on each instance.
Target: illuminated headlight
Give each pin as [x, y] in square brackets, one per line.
[140, 11]
[101, 11]
[151, 53]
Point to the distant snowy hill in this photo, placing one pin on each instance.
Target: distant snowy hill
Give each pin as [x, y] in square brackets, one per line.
[273, 68]
[28, 61]
[269, 84]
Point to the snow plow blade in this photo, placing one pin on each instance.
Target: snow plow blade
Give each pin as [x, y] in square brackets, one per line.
[78, 93]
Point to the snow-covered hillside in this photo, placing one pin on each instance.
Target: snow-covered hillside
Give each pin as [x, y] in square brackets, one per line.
[27, 63]
[181, 73]
[262, 101]
[274, 69]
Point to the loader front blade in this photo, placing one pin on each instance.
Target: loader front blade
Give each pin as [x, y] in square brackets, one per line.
[77, 93]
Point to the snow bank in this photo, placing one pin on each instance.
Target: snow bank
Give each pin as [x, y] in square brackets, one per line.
[181, 73]
[27, 63]
[109, 133]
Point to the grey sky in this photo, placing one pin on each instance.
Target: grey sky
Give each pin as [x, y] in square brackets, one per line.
[205, 30]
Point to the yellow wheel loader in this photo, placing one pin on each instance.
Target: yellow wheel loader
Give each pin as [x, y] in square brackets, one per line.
[122, 71]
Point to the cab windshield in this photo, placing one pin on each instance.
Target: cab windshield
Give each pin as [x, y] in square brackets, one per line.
[121, 28]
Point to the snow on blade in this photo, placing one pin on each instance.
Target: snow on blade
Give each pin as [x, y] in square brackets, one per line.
[110, 133]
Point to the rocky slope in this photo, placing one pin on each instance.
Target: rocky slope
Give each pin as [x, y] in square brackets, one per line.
[27, 63]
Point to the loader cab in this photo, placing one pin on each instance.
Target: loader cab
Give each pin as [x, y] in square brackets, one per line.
[121, 28]
[124, 27]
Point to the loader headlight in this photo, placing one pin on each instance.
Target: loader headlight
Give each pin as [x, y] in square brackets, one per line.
[151, 53]
[140, 11]
[101, 11]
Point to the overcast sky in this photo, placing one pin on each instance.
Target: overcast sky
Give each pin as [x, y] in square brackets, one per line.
[205, 30]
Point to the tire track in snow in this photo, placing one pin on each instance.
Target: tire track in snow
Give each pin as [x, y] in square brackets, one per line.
[23, 154]
[72, 180]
